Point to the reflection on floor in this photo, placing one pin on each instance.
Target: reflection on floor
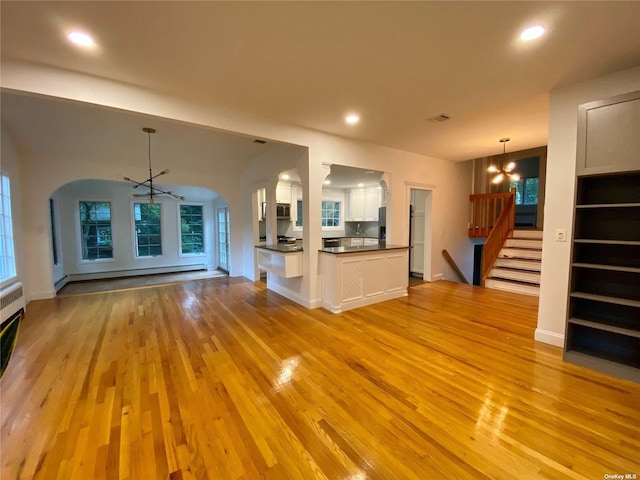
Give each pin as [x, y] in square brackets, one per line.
[123, 283]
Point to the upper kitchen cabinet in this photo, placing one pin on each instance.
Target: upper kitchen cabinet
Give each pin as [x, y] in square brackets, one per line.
[363, 204]
[283, 192]
[372, 198]
[609, 135]
[296, 206]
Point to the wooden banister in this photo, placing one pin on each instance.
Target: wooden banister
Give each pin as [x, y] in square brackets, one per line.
[501, 230]
[454, 265]
[485, 211]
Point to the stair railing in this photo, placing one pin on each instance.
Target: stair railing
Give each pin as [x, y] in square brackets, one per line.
[485, 211]
[502, 229]
[454, 266]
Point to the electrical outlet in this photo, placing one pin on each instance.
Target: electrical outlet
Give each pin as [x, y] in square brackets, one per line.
[561, 235]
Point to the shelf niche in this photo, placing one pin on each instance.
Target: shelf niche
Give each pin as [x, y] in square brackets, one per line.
[603, 324]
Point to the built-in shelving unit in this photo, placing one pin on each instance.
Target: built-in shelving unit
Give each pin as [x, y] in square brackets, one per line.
[603, 328]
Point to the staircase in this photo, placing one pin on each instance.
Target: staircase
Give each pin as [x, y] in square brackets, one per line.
[517, 268]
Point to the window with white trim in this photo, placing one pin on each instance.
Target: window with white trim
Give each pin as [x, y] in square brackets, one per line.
[330, 213]
[191, 230]
[147, 223]
[95, 230]
[7, 253]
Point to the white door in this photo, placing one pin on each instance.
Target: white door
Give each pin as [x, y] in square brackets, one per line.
[416, 261]
[223, 238]
[420, 234]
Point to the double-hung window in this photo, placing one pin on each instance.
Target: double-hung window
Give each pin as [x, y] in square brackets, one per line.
[7, 255]
[330, 213]
[95, 230]
[147, 224]
[191, 230]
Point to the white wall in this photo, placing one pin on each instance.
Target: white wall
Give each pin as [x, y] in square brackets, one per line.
[560, 192]
[451, 182]
[119, 195]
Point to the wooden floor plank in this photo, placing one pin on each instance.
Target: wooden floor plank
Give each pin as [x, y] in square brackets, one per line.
[224, 379]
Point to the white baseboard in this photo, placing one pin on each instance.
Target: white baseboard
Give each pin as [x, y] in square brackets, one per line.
[40, 296]
[291, 295]
[551, 338]
[61, 283]
[317, 303]
[437, 276]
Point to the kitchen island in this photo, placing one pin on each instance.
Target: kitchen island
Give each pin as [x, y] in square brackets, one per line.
[363, 275]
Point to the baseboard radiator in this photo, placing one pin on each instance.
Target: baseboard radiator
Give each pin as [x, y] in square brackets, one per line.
[78, 277]
[11, 300]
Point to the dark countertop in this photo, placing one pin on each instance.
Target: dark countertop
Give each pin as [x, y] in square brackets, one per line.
[363, 248]
[351, 236]
[282, 248]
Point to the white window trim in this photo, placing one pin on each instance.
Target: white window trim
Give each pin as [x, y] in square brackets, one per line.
[295, 227]
[14, 278]
[204, 231]
[134, 235]
[79, 232]
[341, 226]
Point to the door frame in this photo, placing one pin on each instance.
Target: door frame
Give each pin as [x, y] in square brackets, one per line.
[226, 268]
[428, 224]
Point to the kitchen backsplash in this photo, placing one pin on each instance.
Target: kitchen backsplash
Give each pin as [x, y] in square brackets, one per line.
[361, 229]
[351, 229]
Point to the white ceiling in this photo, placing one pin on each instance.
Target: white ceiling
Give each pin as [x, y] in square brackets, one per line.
[309, 63]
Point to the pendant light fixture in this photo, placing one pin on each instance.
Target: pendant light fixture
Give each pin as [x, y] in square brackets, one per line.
[148, 183]
[504, 171]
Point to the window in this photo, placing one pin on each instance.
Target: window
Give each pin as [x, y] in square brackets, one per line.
[147, 224]
[526, 191]
[330, 213]
[191, 229]
[299, 213]
[7, 256]
[95, 228]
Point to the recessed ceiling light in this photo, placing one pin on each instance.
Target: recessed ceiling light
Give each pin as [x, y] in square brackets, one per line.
[81, 38]
[327, 182]
[352, 118]
[532, 33]
[361, 184]
[285, 177]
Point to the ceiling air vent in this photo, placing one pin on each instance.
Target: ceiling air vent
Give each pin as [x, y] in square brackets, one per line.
[439, 118]
[259, 141]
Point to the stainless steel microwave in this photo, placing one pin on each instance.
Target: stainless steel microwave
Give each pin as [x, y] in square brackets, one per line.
[283, 211]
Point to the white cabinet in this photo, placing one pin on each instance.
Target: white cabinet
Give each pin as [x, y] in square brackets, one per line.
[371, 241]
[363, 204]
[296, 195]
[283, 193]
[357, 242]
[356, 205]
[371, 203]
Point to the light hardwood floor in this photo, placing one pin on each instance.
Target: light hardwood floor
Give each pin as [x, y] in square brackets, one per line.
[222, 379]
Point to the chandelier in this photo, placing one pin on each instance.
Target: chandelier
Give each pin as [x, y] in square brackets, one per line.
[504, 171]
[148, 183]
